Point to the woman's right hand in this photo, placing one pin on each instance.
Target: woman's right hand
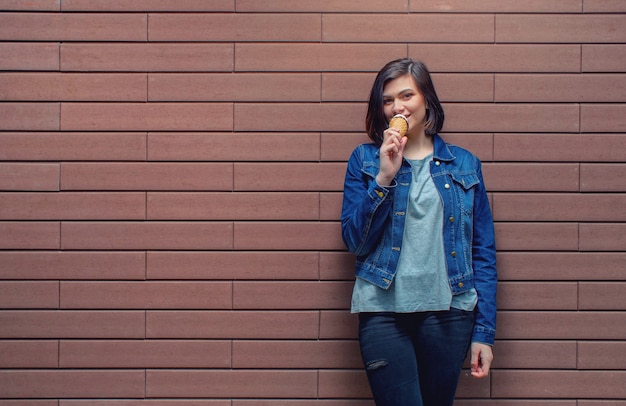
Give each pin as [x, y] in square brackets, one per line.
[390, 156]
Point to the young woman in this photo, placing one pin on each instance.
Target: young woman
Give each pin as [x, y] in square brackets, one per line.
[416, 215]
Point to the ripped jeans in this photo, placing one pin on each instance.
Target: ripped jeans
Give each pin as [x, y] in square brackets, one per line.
[415, 359]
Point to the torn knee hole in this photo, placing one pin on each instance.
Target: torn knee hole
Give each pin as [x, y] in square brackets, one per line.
[372, 365]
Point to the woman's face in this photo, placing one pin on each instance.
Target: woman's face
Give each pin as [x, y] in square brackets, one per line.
[401, 96]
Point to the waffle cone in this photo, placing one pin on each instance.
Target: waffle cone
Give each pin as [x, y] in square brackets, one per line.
[400, 123]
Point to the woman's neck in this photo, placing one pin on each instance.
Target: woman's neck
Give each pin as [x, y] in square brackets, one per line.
[418, 146]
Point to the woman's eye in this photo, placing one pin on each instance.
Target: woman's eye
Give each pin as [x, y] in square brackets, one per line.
[407, 96]
[387, 101]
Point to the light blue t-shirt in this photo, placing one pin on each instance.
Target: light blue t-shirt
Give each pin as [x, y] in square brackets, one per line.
[421, 281]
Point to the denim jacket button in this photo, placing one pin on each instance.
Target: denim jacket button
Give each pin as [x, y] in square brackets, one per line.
[451, 219]
[437, 163]
[460, 284]
[453, 253]
[447, 186]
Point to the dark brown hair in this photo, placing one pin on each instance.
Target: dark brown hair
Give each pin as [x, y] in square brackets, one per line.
[375, 121]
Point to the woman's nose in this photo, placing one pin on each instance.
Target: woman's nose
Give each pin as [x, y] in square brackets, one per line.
[397, 108]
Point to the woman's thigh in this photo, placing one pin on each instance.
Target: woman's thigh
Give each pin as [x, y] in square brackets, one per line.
[441, 343]
[389, 360]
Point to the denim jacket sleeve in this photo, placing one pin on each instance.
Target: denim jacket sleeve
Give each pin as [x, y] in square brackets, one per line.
[366, 206]
[484, 266]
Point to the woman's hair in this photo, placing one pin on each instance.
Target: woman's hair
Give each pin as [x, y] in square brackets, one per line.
[375, 121]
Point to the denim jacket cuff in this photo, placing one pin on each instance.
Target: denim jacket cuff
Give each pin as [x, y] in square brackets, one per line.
[483, 335]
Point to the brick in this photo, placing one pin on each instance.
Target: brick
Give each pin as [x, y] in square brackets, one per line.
[603, 6]
[602, 178]
[480, 145]
[558, 384]
[252, 87]
[321, 6]
[291, 295]
[72, 384]
[29, 295]
[571, 147]
[451, 87]
[343, 384]
[29, 56]
[602, 118]
[496, 6]
[308, 57]
[40, 5]
[73, 27]
[29, 116]
[603, 237]
[299, 117]
[338, 324]
[232, 325]
[570, 266]
[603, 58]
[469, 387]
[146, 295]
[25, 324]
[537, 236]
[514, 58]
[146, 176]
[73, 87]
[144, 354]
[230, 384]
[330, 206]
[601, 296]
[59, 146]
[540, 177]
[29, 354]
[72, 265]
[235, 27]
[601, 355]
[339, 146]
[511, 117]
[145, 117]
[472, 28]
[311, 354]
[233, 147]
[232, 265]
[29, 176]
[150, 235]
[139, 57]
[336, 266]
[342, 87]
[300, 176]
[558, 207]
[560, 88]
[232, 206]
[288, 236]
[514, 354]
[566, 325]
[29, 235]
[73, 206]
[537, 296]
[581, 28]
[147, 5]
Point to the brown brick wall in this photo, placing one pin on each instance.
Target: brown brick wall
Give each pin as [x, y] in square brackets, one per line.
[170, 186]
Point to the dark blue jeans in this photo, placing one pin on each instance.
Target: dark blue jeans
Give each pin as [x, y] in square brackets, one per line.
[415, 359]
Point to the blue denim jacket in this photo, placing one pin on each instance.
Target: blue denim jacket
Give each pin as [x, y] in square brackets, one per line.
[372, 222]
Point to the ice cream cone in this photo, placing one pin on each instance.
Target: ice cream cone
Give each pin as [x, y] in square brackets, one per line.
[400, 123]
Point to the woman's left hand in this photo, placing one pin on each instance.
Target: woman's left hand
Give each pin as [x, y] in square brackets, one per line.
[481, 358]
